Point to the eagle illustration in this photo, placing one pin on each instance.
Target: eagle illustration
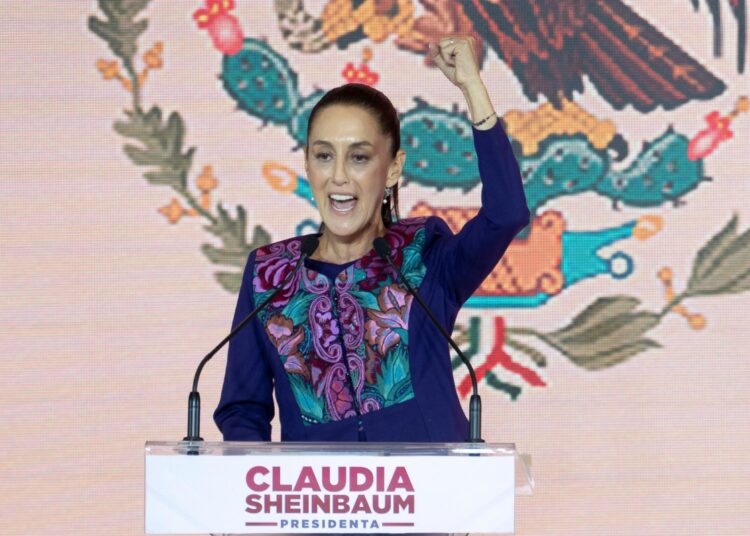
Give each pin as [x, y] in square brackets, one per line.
[550, 45]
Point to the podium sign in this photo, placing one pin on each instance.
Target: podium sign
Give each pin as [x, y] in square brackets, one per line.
[343, 487]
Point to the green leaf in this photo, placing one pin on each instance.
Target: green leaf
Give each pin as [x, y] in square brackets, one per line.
[729, 268]
[164, 178]
[412, 266]
[297, 308]
[152, 118]
[120, 29]
[473, 333]
[403, 334]
[394, 377]
[144, 127]
[309, 403]
[366, 299]
[496, 383]
[260, 298]
[174, 133]
[742, 284]
[230, 281]
[609, 335]
[602, 309]
[707, 257]
[261, 237]
[230, 230]
[161, 146]
[133, 129]
[228, 257]
[235, 249]
[612, 356]
[538, 357]
[143, 157]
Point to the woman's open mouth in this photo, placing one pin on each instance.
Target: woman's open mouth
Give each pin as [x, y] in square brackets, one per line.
[342, 203]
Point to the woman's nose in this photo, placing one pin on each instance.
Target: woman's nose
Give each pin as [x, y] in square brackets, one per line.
[339, 173]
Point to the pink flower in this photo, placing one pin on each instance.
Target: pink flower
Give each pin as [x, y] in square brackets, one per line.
[362, 75]
[270, 272]
[287, 340]
[338, 394]
[394, 303]
[224, 29]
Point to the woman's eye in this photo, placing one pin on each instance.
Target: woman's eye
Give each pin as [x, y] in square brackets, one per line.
[322, 156]
[361, 158]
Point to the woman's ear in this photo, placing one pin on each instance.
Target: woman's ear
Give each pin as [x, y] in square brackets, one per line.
[396, 168]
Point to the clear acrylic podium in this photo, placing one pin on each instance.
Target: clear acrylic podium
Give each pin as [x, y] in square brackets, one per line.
[354, 488]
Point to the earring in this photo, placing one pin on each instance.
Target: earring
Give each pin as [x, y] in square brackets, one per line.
[388, 193]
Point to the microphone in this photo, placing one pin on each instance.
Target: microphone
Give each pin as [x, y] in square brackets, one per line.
[475, 402]
[309, 245]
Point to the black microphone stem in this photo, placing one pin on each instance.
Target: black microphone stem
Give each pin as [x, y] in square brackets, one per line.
[194, 399]
[475, 401]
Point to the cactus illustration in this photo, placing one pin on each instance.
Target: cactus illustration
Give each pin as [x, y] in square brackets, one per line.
[261, 82]
[562, 166]
[440, 147]
[661, 173]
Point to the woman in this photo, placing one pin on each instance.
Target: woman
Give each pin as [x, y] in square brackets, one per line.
[351, 357]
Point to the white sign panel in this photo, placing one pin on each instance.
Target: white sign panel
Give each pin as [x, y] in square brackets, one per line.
[344, 494]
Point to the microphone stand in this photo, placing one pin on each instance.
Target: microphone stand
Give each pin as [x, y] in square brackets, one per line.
[309, 245]
[475, 402]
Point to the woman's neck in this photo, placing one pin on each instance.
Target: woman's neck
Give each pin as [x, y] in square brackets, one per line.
[337, 251]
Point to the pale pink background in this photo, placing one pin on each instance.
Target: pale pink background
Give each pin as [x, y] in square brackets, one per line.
[105, 308]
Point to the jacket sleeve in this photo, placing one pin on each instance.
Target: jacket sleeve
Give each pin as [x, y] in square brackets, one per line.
[246, 407]
[465, 259]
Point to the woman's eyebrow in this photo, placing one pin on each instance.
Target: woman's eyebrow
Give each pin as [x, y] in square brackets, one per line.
[355, 144]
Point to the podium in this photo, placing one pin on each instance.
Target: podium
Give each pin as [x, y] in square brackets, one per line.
[343, 488]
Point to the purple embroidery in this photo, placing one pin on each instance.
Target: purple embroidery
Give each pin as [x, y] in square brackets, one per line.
[380, 327]
[338, 395]
[345, 280]
[352, 321]
[325, 329]
[287, 340]
[271, 268]
[314, 282]
[311, 318]
[370, 404]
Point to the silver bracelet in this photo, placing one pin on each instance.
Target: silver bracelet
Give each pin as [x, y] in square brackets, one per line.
[485, 119]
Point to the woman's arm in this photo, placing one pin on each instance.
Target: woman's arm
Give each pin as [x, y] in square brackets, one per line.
[457, 60]
[246, 406]
[465, 259]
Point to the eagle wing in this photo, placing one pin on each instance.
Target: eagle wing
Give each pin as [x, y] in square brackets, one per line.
[551, 44]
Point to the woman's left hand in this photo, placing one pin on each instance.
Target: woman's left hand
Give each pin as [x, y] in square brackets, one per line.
[456, 57]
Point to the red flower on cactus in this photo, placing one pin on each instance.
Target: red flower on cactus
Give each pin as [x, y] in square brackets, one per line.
[708, 139]
[363, 75]
[224, 29]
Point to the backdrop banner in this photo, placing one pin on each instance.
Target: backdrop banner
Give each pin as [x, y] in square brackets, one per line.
[147, 147]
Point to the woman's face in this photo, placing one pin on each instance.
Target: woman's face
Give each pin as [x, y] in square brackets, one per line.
[348, 163]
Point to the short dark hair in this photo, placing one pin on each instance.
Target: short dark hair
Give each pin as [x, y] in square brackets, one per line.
[382, 109]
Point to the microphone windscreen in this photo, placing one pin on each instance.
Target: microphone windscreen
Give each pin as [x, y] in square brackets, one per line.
[382, 248]
[309, 245]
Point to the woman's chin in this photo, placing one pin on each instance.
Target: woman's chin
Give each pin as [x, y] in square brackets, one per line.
[345, 229]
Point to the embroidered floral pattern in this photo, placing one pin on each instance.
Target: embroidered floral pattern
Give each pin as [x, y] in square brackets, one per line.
[287, 341]
[384, 327]
[273, 266]
[344, 345]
